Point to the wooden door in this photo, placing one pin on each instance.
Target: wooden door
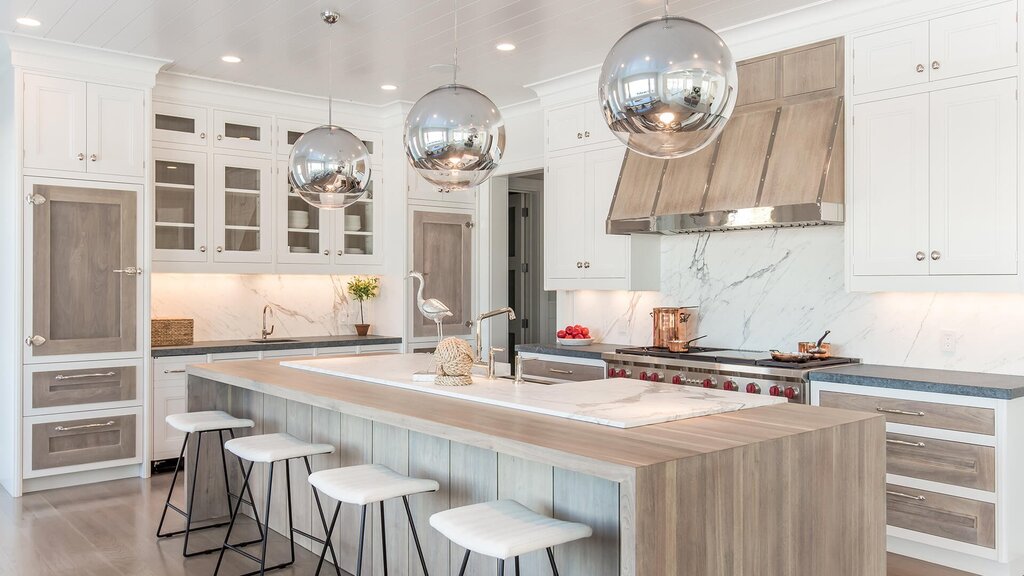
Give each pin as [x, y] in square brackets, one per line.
[242, 209]
[181, 206]
[564, 217]
[247, 132]
[179, 124]
[890, 59]
[304, 231]
[442, 250]
[890, 187]
[565, 127]
[54, 123]
[115, 128]
[605, 255]
[974, 179]
[82, 255]
[974, 41]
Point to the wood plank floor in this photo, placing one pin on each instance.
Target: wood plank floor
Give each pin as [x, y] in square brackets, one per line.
[107, 529]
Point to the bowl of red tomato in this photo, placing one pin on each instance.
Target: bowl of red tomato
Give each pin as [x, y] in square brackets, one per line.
[574, 335]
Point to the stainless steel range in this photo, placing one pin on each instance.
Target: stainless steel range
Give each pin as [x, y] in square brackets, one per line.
[745, 371]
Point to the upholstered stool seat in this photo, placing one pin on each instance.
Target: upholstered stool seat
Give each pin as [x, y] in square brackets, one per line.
[266, 448]
[192, 422]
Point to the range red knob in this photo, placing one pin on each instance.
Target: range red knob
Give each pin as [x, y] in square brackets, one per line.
[753, 388]
[623, 373]
[677, 379]
[612, 372]
[791, 392]
[654, 377]
[730, 385]
[775, 390]
[708, 383]
[643, 375]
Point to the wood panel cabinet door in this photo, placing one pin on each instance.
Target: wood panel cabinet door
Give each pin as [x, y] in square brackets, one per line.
[54, 118]
[891, 58]
[115, 130]
[564, 217]
[890, 187]
[605, 255]
[974, 179]
[442, 250]
[180, 207]
[242, 209]
[83, 248]
[974, 41]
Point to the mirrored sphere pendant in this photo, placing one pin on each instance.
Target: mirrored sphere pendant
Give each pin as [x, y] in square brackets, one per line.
[454, 137]
[329, 167]
[668, 87]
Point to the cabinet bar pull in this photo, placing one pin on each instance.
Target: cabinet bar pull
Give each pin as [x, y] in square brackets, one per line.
[904, 443]
[899, 412]
[130, 271]
[77, 376]
[559, 371]
[83, 426]
[907, 496]
[174, 371]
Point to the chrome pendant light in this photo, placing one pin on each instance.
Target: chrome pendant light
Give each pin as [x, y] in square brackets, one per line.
[329, 167]
[454, 135]
[668, 87]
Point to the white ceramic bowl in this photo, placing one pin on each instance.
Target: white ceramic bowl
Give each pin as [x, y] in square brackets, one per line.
[298, 219]
[575, 341]
[353, 222]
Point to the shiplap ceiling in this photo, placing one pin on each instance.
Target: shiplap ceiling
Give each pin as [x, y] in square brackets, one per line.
[283, 43]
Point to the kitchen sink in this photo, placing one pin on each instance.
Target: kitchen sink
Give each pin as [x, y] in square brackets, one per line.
[273, 340]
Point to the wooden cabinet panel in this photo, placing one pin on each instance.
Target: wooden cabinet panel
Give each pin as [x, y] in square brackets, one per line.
[758, 81]
[891, 58]
[811, 70]
[685, 182]
[81, 240]
[742, 153]
[957, 463]
[973, 41]
[803, 139]
[594, 502]
[941, 515]
[179, 124]
[890, 187]
[561, 370]
[79, 386]
[82, 440]
[973, 207]
[54, 115]
[442, 249]
[605, 255]
[564, 217]
[917, 413]
[639, 182]
[115, 123]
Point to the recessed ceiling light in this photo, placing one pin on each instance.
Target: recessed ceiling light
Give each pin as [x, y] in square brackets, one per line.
[506, 46]
[26, 21]
[388, 87]
[231, 59]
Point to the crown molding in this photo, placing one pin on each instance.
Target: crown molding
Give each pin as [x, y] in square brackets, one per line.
[80, 62]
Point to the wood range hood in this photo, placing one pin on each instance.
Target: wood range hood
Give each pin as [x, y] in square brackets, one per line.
[778, 163]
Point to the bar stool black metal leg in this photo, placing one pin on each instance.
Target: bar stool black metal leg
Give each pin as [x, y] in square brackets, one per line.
[415, 536]
[328, 545]
[231, 524]
[170, 492]
[247, 489]
[266, 519]
[362, 537]
[551, 557]
[383, 539]
[517, 565]
[327, 538]
[501, 567]
[465, 561]
[192, 494]
[288, 489]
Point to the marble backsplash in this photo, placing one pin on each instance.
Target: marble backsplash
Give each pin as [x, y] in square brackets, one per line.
[763, 289]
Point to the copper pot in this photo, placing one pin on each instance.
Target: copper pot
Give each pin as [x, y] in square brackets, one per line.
[675, 323]
[682, 345]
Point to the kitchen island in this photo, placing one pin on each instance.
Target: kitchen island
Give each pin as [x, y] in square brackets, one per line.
[787, 490]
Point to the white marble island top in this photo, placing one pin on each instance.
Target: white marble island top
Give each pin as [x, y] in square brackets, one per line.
[617, 402]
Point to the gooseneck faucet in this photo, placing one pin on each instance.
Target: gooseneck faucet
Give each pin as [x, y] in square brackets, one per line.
[264, 333]
[479, 320]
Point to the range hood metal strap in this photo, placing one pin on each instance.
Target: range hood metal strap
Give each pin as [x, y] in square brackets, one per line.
[711, 174]
[768, 156]
[831, 145]
[661, 183]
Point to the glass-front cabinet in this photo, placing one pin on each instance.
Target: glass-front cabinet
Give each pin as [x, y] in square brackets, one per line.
[356, 230]
[306, 237]
[179, 124]
[180, 206]
[246, 132]
[242, 209]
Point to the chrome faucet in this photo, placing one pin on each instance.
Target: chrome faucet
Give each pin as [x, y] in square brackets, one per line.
[264, 333]
[479, 320]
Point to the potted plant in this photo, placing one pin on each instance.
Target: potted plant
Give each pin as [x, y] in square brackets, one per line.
[363, 288]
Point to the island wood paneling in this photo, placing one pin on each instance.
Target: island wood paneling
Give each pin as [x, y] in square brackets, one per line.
[391, 448]
[473, 479]
[594, 502]
[532, 485]
[429, 457]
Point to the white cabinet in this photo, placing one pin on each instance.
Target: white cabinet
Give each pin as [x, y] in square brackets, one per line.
[242, 209]
[245, 132]
[181, 205]
[935, 183]
[420, 189]
[84, 127]
[968, 42]
[179, 124]
[578, 254]
[167, 440]
[576, 125]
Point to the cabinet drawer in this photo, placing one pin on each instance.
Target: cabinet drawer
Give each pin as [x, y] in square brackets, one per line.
[916, 413]
[53, 388]
[172, 370]
[941, 515]
[957, 463]
[561, 370]
[97, 438]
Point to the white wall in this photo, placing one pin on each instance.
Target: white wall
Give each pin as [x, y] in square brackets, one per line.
[10, 235]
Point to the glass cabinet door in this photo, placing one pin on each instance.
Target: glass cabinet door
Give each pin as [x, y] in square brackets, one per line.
[180, 205]
[179, 124]
[242, 131]
[304, 231]
[242, 209]
[82, 272]
[357, 230]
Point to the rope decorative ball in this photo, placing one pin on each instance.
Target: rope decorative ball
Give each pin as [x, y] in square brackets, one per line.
[454, 359]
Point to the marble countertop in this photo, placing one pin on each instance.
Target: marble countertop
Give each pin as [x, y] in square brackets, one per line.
[224, 346]
[616, 402]
[998, 386]
[592, 351]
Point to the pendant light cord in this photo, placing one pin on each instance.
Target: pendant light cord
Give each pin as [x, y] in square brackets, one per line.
[455, 55]
[330, 74]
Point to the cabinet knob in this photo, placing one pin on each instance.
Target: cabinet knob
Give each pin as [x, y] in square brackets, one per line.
[202, 248]
[36, 340]
[579, 135]
[586, 134]
[219, 137]
[202, 135]
[220, 248]
[586, 264]
[936, 255]
[92, 157]
[920, 68]
[327, 252]
[81, 156]
[935, 65]
[920, 256]
[341, 252]
[579, 264]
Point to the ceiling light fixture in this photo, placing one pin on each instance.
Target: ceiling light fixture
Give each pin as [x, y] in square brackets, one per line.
[26, 21]
[231, 59]
[506, 46]
[388, 87]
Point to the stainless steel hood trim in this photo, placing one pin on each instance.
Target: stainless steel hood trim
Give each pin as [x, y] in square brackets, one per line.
[832, 144]
[742, 219]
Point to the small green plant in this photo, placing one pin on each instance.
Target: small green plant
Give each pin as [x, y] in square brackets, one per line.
[363, 288]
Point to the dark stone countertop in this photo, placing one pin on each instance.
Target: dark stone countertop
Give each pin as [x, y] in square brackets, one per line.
[225, 346]
[983, 385]
[593, 351]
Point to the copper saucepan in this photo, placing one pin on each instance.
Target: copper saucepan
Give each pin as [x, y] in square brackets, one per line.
[682, 345]
[790, 356]
[819, 349]
[673, 323]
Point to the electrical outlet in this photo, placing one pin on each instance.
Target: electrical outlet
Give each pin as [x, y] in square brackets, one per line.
[947, 341]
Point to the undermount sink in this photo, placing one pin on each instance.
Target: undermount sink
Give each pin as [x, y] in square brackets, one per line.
[273, 340]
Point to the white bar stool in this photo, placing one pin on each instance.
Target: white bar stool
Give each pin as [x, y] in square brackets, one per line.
[505, 529]
[271, 449]
[201, 423]
[364, 485]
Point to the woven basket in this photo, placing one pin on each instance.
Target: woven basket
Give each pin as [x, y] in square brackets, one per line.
[172, 332]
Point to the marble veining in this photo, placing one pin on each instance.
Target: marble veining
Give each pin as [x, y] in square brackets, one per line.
[762, 289]
[617, 402]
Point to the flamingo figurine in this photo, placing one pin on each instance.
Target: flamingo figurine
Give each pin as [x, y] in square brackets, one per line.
[431, 308]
